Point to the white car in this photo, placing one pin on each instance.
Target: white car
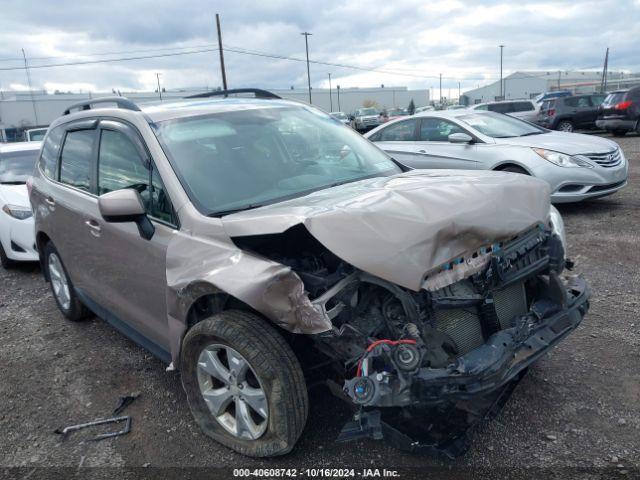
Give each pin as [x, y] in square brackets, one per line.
[526, 110]
[17, 236]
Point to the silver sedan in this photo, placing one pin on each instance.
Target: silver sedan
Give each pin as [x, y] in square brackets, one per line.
[576, 166]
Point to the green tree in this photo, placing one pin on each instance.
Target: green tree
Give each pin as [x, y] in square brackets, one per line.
[411, 108]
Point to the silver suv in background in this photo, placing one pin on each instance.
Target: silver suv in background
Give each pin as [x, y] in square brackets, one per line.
[364, 119]
[523, 109]
[243, 239]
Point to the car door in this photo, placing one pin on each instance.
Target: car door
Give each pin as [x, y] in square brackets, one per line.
[583, 111]
[591, 115]
[70, 201]
[399, 139]
[433, 149]
[130, 271]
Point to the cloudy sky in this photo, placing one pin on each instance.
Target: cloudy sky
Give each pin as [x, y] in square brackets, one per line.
[406, 42]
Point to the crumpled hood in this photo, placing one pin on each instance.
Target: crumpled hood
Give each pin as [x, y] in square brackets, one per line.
[563, 142]
[399, 228]
[17, 195]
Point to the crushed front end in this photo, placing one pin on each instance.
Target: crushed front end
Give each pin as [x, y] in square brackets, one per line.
[448, 355]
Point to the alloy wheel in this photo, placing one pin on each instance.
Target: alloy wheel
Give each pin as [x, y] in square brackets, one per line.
[232, 391]
[59, 281]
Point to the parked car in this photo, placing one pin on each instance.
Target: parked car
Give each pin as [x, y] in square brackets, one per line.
[569, 113]
[522, 109]
[576, 166]
[343, 117]
[620, 112]
[239, 239]
[35, 134]
[548, 95]
[456, 107]
[365, 119]
[427, 108]
[17, 238]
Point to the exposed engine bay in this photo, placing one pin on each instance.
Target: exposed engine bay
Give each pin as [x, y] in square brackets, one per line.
[463, 340]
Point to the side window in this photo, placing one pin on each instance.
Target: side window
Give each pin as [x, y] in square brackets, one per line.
[120, 165]
[75, 161]
[523, 106]
[50, 150]
[571, 101]
[482, 107]
[160, 206]
[596, 100]
[583, 102]
[398, 132]
[437, 130]
[500, 107]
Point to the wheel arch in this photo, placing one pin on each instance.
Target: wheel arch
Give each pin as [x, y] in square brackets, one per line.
[511, 163]
[41, 242]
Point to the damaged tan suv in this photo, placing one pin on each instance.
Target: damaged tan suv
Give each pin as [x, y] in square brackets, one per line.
[253, 242]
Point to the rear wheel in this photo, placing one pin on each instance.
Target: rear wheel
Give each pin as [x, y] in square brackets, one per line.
[619, 133]
[565, 126]
[62, 288]
[244, 385]
[5, 261]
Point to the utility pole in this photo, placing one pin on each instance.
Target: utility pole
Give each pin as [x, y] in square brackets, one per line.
[459, 94]
[501, 86]
[338, 88]
[440, 89]
[603, 83]
[159, 91]
[33, 102]
[224, 72]
[306, 44]
[559, 74]
[330, 99]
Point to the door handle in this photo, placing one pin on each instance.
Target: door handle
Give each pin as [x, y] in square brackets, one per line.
[422, 151]
[94, 227]
[50, 201]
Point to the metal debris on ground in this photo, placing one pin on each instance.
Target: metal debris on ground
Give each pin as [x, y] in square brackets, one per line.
[102, 436]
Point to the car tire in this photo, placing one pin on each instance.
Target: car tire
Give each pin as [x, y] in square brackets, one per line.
[565, 126]
[270, 368]
[5, 261]
[514, 169]
[62, 288]
[619, 133]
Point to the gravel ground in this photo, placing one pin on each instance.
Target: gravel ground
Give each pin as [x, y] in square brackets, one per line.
[575, 415]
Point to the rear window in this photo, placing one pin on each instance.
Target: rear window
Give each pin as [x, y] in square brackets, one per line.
[613, 98]
[548, 104]
[50, 149]
[500, 107]
[75, 161]
[17, 167]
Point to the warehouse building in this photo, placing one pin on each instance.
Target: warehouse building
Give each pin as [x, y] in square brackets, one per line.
[529, 84]
[20, 111]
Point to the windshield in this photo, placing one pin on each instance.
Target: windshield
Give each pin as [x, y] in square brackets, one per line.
[367, 111]
[339, 115]
[243, 159]
[17, 167]
[497, 125]
[37, 135]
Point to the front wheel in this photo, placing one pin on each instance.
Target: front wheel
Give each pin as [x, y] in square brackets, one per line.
[244, 385]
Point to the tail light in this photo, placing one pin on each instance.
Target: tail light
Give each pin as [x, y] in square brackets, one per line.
[623, 105]
[551, 112]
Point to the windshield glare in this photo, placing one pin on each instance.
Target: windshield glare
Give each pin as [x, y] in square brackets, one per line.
[499, 126]
[242, 159]
[17, 167]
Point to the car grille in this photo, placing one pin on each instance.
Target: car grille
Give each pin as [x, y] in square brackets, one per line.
[609, 159]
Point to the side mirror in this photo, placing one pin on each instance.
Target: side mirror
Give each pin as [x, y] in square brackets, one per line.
[126, 205]
[460, 138]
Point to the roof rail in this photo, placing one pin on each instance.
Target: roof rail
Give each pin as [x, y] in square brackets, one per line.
[121, 102]
[259, 93]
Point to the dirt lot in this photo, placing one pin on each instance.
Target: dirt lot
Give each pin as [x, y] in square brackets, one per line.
[575, 415]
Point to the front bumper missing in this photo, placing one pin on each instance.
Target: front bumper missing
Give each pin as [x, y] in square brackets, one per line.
[481, 381]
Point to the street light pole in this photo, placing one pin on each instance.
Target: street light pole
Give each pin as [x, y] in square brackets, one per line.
[159, 91]
[330, 99]
[501, 88]
[306, 44]
[440, 89]
[338, 88]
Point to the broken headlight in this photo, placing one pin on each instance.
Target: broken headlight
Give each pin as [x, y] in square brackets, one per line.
[21, 213]
[557, 225]
[561, 159]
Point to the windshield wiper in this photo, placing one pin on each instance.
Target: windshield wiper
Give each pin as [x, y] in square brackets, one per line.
[222, 213]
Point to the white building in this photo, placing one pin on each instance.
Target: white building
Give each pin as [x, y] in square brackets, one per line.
[22, 110]
[528, 84]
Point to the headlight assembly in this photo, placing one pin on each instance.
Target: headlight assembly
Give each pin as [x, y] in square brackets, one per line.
[561, 159]
[21, 213]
